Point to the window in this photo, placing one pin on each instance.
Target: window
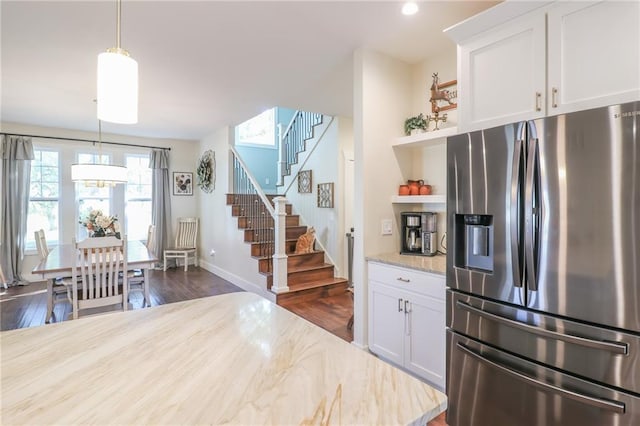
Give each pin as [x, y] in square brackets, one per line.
[259, 130]
[138, 197]
[90, 197]
[44, 196]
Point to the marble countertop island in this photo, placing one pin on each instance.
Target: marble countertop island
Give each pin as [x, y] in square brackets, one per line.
[234, 359]
[434, 264]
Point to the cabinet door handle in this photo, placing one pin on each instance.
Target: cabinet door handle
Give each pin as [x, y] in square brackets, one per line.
[538, 99]
[399, 305]
[404, 280]
[554, 95]
[407, 318]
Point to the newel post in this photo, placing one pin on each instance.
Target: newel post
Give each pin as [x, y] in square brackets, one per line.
[279, 255]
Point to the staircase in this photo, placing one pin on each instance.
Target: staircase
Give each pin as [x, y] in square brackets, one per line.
[293, 141]
[308, 276]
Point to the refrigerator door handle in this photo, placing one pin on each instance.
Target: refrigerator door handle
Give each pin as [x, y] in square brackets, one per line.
[615, 347]
[515, 212]
[615, 406]
[529, 216]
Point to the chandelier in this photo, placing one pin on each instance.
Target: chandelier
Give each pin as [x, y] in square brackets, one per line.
[98, 174]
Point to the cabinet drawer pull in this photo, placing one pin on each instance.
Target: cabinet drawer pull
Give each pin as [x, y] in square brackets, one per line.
[399, 305]
[404, 280]
[538, 98]
[554, 95]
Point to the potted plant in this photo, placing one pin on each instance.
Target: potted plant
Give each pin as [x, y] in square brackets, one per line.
[415, 123]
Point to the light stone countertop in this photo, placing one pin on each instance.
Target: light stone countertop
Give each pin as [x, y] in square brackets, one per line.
[434, 264]
[235, 358]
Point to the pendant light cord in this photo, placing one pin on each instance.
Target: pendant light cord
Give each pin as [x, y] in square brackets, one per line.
[99, 141]
[119, 12]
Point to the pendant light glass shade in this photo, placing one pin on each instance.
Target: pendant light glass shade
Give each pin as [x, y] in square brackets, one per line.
[117, 87]
[99, 175]
[117, 82]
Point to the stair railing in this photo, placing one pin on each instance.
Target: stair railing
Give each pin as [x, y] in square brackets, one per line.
[268, 223]
[292, 141]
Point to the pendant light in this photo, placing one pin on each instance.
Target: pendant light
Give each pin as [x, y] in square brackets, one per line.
[98, 174]
[117, 83]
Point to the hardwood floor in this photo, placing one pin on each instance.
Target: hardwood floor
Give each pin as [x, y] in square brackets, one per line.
[25, 306]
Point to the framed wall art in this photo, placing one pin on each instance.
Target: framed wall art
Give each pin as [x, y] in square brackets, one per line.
[304, 181]
[325, 195]
[207, 171]
[182, 183]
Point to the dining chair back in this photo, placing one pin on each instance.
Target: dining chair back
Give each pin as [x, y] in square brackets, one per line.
[137, 276]
[98, 265]
[185, 243]
[60, 286]
[41, 244]
[151, 237]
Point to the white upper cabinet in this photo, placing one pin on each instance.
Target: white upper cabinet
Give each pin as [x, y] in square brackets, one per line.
[502, 74]
[588, 52]
[593, 54]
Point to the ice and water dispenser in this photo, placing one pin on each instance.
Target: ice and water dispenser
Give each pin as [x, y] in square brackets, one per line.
[474, 242]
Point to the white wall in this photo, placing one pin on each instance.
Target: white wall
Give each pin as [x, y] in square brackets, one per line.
[183, 157]
[219, 230]
[382, 93]
[327, 166]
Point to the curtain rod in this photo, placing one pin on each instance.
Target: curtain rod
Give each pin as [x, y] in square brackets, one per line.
[84, 140]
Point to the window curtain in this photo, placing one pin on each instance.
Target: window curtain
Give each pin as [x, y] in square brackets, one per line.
[161, 201]
[17, 153]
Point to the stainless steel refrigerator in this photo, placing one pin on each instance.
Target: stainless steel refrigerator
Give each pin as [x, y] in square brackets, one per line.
[543, 271]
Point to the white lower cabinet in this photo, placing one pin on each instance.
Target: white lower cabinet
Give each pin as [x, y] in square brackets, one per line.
[407, 320]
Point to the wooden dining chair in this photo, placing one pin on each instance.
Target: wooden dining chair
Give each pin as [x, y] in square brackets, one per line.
[136, 276]
[185, 243]
[99, 262]
[61, 286]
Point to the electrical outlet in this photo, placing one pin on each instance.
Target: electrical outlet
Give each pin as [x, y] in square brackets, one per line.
[387, 227]
[266, 181]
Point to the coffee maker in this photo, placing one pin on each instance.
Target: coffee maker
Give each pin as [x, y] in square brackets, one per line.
[419, 233]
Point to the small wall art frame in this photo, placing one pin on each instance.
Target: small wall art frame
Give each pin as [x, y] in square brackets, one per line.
[304, 181]
[182, 183]
[325, 195]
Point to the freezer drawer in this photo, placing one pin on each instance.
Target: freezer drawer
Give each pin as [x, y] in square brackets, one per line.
[487, 386]
[600, 354]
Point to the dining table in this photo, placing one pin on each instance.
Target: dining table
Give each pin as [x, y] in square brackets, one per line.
[235, 358]
[60, 263]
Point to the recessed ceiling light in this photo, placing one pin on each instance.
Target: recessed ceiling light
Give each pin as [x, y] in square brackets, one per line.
[410, 8]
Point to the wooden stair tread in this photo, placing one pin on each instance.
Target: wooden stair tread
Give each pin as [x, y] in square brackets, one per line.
[292, 255]
[319, 283]
[303, 268]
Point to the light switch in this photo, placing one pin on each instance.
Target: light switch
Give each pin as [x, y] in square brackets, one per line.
[387, 227]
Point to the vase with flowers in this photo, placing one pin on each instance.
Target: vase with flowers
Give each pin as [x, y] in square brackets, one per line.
[99, 224]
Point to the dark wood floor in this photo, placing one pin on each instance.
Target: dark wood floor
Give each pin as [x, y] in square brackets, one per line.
[25, 306]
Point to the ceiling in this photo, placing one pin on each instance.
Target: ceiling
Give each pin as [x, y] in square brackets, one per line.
[204, 64]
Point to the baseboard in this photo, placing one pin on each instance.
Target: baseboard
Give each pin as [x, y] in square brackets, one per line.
[360, 346]
[239, 281]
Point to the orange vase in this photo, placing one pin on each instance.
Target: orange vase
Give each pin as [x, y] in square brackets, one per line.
[403, 190]
[414, 187]
[425, 190]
